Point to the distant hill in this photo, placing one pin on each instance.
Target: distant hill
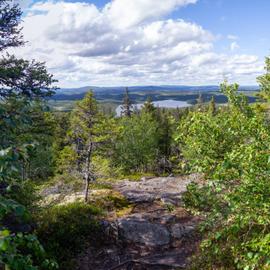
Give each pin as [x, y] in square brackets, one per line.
[103, 93]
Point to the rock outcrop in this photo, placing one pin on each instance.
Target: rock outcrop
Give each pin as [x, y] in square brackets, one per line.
[158, 234]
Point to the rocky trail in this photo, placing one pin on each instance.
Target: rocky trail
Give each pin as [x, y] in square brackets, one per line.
[157, 234]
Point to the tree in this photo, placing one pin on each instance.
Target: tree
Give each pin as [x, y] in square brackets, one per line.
[22, 83]
[264, 81]
[89, 130]
[24, 78]
[136, 146]
[20, 77]
[127, 105]
[148, 106]
[231, 149]
[212, 106]
[236, 101]
[10, 32]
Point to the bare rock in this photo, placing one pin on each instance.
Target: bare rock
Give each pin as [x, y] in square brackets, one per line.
[143, 232]
[169, 189]
[179, 231]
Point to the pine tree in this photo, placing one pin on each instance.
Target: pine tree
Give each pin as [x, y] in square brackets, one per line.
[127, 105]
[212, 106]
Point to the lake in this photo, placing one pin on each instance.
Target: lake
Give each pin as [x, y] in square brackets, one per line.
[169, 103]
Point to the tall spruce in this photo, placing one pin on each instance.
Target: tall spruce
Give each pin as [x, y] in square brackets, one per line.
[89, 131]
[126, 109]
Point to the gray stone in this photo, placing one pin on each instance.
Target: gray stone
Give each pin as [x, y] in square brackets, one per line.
[143, 232]
[179, 231]
[147, 190]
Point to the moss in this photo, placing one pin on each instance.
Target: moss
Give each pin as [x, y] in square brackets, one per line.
[66, 230]
[110, 200]
[100, 185]
[124, 211]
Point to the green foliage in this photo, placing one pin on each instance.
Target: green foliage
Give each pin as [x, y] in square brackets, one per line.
[28, 123]
[23, 252]
[10, 35]
[22, 84]
[264, 81]
[67, 159]
[232, 148]
[66, 230]
[19, 250]
[212, 106]
[205, 138]
[136, 146]
[127, 109]
[111, 201]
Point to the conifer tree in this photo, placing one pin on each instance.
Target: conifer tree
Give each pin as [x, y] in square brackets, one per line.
[89, 130]
[127, 105]
[26, 79]
[10, 32]
[212, 106]
[21, 83]
[148, 106]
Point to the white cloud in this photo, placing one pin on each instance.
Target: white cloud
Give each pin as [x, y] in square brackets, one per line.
[234, 46]
[128, 42]
[127, 13]
[232, 37]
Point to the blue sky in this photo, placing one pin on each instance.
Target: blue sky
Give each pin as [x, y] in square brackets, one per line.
[111, 42]
[246, 19]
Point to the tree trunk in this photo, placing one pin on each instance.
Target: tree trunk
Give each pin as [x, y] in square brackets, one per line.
[87, 175]
[87, 182]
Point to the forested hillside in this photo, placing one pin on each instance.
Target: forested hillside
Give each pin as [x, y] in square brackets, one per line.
[65, 177]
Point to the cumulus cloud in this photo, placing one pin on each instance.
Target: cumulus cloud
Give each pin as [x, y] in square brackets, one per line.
[234, 46]
[126, 13]
[128, 42]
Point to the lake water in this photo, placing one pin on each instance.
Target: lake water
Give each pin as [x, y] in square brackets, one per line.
[169, 103]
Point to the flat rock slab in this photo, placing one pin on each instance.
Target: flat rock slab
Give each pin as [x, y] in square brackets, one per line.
[143, 232]
[168, 189]
[154, 235]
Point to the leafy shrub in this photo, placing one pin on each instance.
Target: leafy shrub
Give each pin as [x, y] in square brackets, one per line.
[66, 230]
[19, 249]
[232, 147]
[23, 252]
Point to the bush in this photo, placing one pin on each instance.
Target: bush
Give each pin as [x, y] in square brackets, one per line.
[66, 230]
[232, 147]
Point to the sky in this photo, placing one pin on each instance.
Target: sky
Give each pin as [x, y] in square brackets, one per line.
[147, 42]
